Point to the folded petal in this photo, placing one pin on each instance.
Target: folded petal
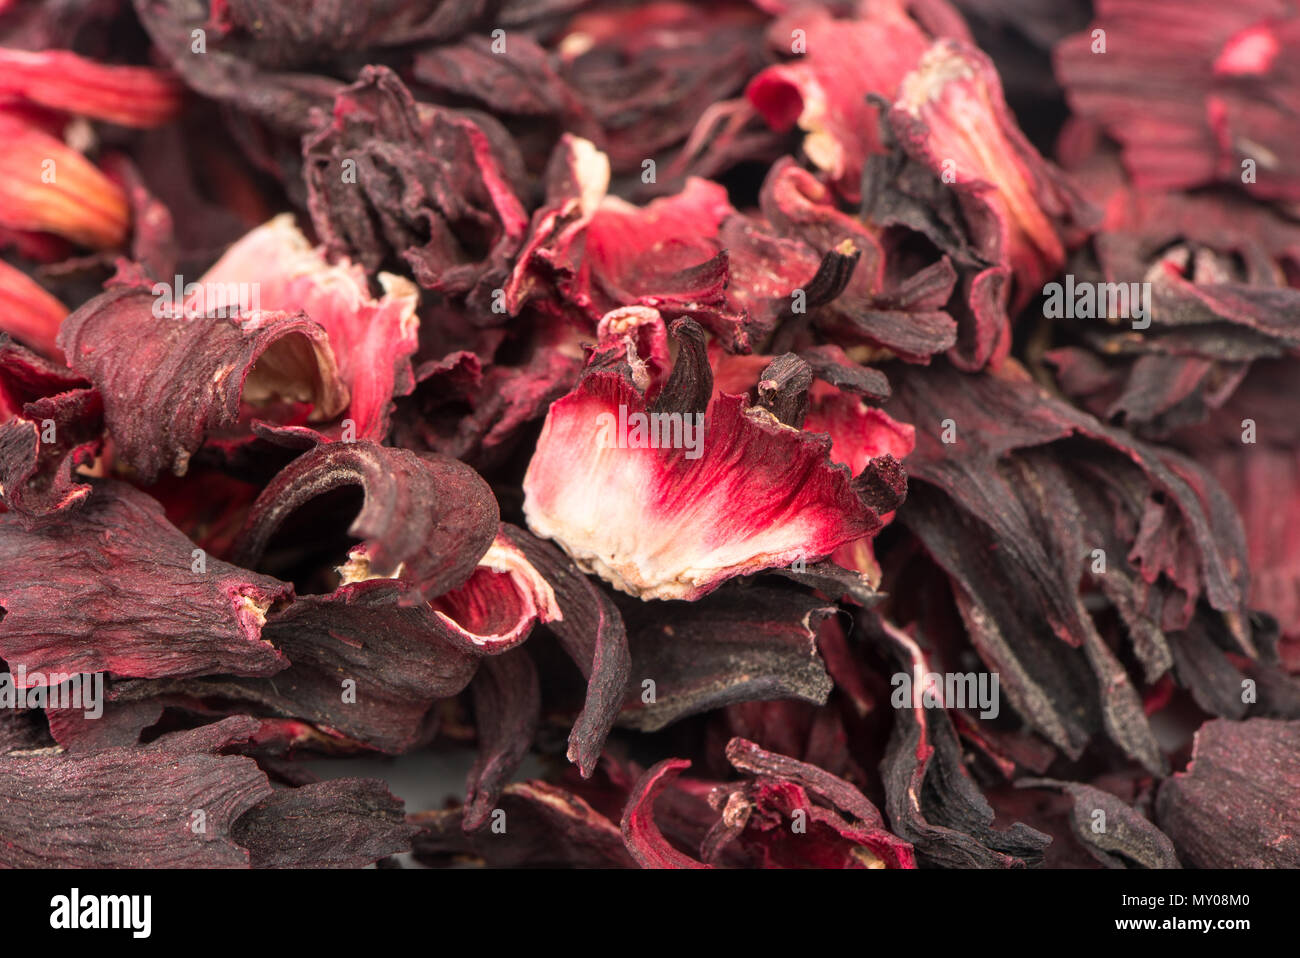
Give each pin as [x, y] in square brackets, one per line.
[736, 645]
[51, 423]
[1125, 840]
[372, 339]
[664, 523]
[507, 706]
[825, 91]
[388, 176]
[946, 818]
[641, 834]
[172, 380]
[495, 609]
[591, 632]
[364, 666]
[424, 519]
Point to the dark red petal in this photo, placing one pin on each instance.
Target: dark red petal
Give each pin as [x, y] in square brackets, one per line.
[507, 704]
[342, 823]
[503, 399]
[428, 184]
[736, 645]
[112, 587]
[50, 424]
[783, 785]
[154, 244]
[646, 73]
[285, 102]
[364, 665]
[950, 824]
[171, 381]
[179, 802]
[577, 179]
[1125, 839]
[667, 255]
[147, 797]
[1237, 805]
[546, 825]
[120, 724]
[522, 84]
[426, 519]
[592, 633]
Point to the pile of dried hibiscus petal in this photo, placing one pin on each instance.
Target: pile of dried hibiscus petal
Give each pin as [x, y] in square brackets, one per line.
[764, 433]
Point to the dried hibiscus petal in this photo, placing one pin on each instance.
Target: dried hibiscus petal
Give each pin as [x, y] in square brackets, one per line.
[788, 814]
[1194, 111]
[549, 825]
[344, 823]
[425, 520]
[850, 833]
[363, 665]
[170, 381]
[50, 423]
[950, 111]
[736, 645]
[372, 339]
[428, 184]
[113, 586]
[641, 833]
[665, 255]
[1249, 767]
[882, 306]
[968, 179]
[28, 312]
[507, 703]
[1126, 837]
[825, 92]
[1033, 513]
[949, 824]
[62, 80]
[155, 792]
[646, 73]
[859, 434]
[664, 523]
[495, 609]
[592, 633]
[47, 186]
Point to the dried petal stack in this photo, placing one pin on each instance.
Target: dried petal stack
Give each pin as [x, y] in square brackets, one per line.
[766, 433]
